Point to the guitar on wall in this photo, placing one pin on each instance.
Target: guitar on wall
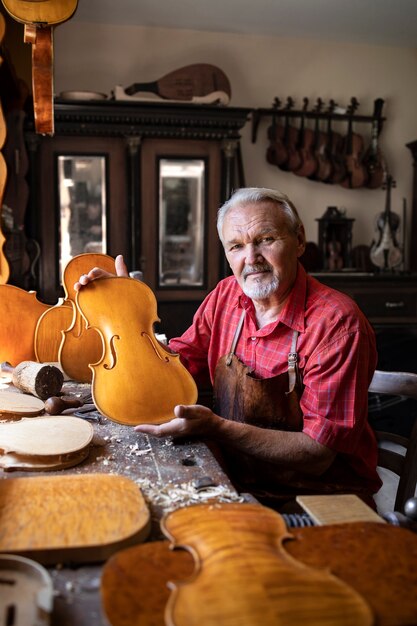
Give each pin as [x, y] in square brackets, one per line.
[40, 17]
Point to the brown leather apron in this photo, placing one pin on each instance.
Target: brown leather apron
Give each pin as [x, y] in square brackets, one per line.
[269, 403]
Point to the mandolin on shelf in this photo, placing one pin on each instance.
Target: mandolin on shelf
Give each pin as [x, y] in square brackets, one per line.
[186, 83]
[385, 251]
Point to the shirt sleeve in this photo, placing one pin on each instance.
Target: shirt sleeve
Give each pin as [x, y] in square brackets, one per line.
[193, 345]
[335, 397]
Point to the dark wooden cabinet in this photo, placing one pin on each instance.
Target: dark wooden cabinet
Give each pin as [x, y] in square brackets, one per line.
[412, 146]
[388, 300]
[135, 141]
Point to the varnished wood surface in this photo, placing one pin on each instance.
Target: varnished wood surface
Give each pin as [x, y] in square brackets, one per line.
[136, 381]
[376, 560]
[244, 576]
[19, 314]
[80, 345]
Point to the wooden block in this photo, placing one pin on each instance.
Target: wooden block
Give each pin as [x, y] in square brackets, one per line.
[71, 518]
[338, 509]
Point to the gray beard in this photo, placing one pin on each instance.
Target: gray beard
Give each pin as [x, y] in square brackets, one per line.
[261, 290]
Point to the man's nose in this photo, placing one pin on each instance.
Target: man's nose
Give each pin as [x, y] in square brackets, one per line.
[253, 254]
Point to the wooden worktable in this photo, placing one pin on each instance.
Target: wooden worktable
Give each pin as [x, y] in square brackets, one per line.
[170, 473]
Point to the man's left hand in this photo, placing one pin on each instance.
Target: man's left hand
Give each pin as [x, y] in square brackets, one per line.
[189, 420]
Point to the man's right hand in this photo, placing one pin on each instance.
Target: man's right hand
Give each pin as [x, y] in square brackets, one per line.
[97, 272]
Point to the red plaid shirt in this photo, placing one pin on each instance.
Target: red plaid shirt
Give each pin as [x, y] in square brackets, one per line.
[336, 355]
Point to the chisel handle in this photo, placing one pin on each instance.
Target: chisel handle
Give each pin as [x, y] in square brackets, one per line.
[56, 405]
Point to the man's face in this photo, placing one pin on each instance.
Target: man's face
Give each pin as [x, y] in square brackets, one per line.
[261, 250]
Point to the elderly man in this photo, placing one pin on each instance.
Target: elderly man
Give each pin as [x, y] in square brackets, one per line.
[290, 361]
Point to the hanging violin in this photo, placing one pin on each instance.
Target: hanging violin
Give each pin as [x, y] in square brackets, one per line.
[353, 148]
[136, 380]
[373, 159]
[385, 250]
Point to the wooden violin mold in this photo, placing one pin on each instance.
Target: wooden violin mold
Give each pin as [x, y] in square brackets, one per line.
[136, 381]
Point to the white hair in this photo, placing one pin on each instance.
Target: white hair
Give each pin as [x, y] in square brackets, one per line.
[255, 195]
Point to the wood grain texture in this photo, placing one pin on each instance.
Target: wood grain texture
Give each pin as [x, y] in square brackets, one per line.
[48, 331]
[13, 461]
[80, 346]
[42, 381]
[338, 509]
[377, 560]
[46, 436]
[16, 404]
[244, 576]
[136, 380]
[46, 11]
[77, 518]
[19, 313]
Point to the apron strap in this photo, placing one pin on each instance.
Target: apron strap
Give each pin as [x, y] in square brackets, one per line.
[292, 363]
[293, 373]
[235, 338]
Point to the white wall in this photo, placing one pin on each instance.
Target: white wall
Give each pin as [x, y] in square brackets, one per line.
[97, 57]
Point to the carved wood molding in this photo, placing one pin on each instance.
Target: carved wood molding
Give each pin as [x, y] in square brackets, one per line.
[113, 118]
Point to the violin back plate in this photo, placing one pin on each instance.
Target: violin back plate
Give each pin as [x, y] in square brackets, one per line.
[376, 560]
[44, 443]
[245, 576]
[78, 518]
[136, 381]
[15, 404]
[19, 314]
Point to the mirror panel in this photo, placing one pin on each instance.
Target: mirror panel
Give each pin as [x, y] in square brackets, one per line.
[82, 206]
[181, 222]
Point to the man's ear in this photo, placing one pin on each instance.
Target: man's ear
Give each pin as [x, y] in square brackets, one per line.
[301, 239]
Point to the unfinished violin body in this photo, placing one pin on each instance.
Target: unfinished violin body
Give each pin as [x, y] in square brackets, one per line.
[243, 574]
[136, 381]
[79, 346]
[19, 314]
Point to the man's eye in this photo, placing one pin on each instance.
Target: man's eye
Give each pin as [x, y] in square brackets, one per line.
[267, 239]
[235, 246]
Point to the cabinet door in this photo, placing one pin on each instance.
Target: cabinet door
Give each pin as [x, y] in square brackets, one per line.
[180, 194]
[81, 203]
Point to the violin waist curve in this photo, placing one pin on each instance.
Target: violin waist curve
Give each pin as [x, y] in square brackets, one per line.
[136, 381]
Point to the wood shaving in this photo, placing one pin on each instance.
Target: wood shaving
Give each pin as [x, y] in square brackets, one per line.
[170, 497]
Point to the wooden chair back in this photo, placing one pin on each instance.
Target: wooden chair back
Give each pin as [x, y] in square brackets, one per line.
[404, 465]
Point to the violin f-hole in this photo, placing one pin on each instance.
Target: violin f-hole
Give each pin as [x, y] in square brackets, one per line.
[113, 353]
[165, 358]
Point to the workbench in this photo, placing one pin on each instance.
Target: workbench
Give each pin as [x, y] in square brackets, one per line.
[177, 473]
[170, 473]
